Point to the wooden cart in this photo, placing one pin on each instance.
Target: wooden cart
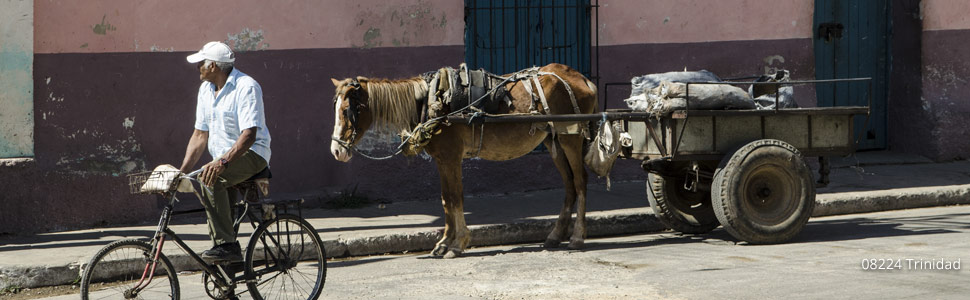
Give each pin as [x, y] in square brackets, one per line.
[741, 169]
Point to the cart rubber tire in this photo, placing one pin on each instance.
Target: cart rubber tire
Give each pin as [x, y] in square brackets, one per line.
[763, 193]
[679, 209]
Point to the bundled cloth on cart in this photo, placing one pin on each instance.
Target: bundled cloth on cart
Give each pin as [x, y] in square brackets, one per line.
[642, 84]
[765, 95]
[663, 93]
[671, 96]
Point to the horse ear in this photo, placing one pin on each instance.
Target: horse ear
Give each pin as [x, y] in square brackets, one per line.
[335, 81]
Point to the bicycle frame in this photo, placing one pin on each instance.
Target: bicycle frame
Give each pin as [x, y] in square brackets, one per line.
[223, 280]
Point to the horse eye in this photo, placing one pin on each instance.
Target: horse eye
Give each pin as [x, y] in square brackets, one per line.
[349, 115]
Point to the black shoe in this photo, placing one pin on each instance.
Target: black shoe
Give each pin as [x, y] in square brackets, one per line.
[224, 252]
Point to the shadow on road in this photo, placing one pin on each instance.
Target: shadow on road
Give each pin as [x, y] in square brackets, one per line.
[864, 228]
[814, 231]
[340, 263]
[102, 237]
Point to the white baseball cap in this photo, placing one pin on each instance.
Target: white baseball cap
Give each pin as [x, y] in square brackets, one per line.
[214, 51]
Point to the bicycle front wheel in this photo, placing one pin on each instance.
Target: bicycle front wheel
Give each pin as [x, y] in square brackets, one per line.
[120, 270]
[285, 259]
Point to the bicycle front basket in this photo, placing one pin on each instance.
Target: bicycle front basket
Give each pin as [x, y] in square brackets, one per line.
[152, 181]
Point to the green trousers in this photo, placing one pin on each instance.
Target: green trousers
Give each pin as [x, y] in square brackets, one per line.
[217, 206]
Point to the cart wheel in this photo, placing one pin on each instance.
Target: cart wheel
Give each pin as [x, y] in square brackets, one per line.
[678, 208]
[763, 193]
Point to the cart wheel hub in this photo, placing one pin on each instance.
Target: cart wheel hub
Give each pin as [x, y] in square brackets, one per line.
[764, 193]
[770, 192]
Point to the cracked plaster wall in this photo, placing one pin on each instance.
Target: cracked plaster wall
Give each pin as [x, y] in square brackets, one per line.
[100, 26]
[945, 71]
[111, 89]
[16, 71]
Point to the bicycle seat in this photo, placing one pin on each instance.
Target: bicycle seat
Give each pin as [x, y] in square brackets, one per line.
[258, 182]
[265, 173]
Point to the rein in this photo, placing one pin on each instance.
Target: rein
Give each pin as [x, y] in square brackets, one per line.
[352, 148]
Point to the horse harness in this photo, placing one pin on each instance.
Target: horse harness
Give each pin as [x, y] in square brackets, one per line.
[458, 91]
[454, 91]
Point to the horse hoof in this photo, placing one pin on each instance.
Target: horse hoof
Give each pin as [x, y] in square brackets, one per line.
[551, 243]
[439, 250]
[576, 244]
[453, 254]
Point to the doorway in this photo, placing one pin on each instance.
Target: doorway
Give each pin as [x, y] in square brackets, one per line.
[851, 39]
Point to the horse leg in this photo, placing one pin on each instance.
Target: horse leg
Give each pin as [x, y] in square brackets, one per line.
[559, 158]
[572, 146]
[456, 236]
[442, 246]
[462, 236]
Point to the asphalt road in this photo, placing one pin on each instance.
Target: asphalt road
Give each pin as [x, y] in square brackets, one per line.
[886, 255]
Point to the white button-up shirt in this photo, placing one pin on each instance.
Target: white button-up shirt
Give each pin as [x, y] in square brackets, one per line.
[238, 106]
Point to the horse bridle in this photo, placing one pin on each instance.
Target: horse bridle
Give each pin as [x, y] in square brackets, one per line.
[353, 109]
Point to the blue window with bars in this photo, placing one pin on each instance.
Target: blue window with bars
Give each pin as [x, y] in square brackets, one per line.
[504, 36]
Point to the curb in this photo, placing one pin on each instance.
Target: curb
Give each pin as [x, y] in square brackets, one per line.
[628, 221]
[527, 231]
[894, 199]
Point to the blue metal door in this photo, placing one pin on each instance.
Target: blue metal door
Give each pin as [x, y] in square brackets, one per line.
[852, 40]
[504, 36]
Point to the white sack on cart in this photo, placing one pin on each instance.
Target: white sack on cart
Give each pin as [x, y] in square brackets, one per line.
[671, 96]
[640, 85]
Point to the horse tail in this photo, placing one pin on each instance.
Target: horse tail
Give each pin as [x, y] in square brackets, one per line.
[592, 88]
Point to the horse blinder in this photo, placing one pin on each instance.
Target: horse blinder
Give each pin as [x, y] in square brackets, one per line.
[354, 107]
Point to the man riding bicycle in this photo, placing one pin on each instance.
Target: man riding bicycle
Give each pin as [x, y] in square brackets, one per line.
[231, 122]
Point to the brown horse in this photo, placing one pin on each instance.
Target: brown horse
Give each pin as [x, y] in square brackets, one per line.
[393, 105]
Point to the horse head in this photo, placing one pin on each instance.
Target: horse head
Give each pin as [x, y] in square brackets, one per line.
[351, 116]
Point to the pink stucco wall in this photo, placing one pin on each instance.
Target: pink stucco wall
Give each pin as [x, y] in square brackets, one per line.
[945, 14]
[97, 26]
[664, 21]
[945, 65]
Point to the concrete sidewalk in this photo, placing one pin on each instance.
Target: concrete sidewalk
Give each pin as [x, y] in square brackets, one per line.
[866, 182]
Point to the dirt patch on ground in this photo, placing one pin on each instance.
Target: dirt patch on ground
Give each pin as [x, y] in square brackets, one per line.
[41, 292]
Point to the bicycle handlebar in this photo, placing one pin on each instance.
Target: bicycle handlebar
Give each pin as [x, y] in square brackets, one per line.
[192, 174]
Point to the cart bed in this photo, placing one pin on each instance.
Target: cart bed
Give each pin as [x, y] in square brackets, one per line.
[711, 134]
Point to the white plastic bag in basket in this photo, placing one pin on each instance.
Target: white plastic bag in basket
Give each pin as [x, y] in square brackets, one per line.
[161, 179]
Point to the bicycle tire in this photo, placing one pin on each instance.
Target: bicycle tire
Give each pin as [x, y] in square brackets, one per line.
[118, 266]
[286, 234]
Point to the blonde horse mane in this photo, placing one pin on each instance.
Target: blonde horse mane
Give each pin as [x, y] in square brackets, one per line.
[394, 102]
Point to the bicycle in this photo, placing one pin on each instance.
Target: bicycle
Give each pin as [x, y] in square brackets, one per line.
[279, 244]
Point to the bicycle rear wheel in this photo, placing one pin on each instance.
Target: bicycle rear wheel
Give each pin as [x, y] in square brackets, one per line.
[286, 259]
[117, 269]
